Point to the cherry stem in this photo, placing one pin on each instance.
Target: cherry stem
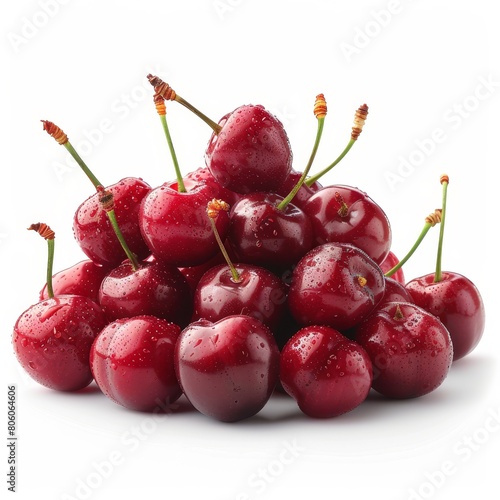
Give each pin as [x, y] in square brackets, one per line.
[213, 209]
[45, 232]
[162, 112]
[60, 137]
[169, 94]
[438, 274]
[320, 113]
[430, 221]
[359, 122]
[107, 203]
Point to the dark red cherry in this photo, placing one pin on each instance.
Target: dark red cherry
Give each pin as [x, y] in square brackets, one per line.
[94, 232]
[228, 369]
[394, 292]
[52, 341]
[410, 350]
[326, 373]
[132, 361]
[456, 301]
[251, 152]
[348, 215]
[83, 278]
[154, 288]
[258, 293]
[335, 284]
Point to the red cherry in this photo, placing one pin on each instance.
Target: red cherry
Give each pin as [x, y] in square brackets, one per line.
[175, 225]
[154, 288]
[348, 215]
[326, 373]
[257, 293]
[228, 369]
[83, 278]
[394, 292]
[335, 284]
[456, 301]
[410, 349]
[52, 341]
[132, 361]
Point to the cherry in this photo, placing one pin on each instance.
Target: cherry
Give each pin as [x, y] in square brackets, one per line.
[452, 297]
[83, 278]
[132, 361]
[326, 373]
[410, 350]
[394, 292]
[227, 369]
[249, 149]
[348, 215]
[92, 229]
[52, 338]
[335, 284]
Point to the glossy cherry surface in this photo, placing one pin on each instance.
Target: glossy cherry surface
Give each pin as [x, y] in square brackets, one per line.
[52, 341]
[94, 233]
[132, 361]
[175, 224]
[258, 293]
[388, 263]
[335, 284]
[227, 369]
[264, 235]
[153, 289]
[303, 194]
[410, 350]
[456, 301]
[251, 152]
[326, 373]
[348, 215]
[83, 278]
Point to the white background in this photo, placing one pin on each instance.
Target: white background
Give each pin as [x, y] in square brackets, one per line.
[429, 71]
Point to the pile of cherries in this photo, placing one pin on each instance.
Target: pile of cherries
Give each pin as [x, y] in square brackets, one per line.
[239, 279]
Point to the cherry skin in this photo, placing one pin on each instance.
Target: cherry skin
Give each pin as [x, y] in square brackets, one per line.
[335, 284]
[264, 235]
[348, 215]
[258, 293]
[154, 289]
[388, 263]
[395, 292]
[52, 341]
[251, 152]
[132, 361]
[227, 369]
[175, 225]
[456, 301]
[326, 373]
[303, 194]
[410, 350]
[94, 233]
[83, 278]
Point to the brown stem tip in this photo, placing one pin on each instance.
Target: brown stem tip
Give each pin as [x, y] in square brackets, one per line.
[434, 218]
[215, 206]
[320, 108]
[162, 88]
[444, 178]
[43, 230]
[55, 132]
[106, 199]
[359, 121]
[160, 104]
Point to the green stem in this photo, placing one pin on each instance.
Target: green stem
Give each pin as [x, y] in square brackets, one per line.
[234, 272]
[82, 165]
[400, 264]
[181, 188]
[214, 126]
[50, 266]
[114, 223]
[309, 182]
[282, 205]
[438, 273]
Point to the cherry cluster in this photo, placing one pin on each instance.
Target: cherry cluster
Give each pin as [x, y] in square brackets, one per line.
[243, 278]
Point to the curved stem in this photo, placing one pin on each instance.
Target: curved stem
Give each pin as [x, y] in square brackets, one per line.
[181, 188]
[82, 164]
[438, 273]
[234, 272]
[131, 256]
